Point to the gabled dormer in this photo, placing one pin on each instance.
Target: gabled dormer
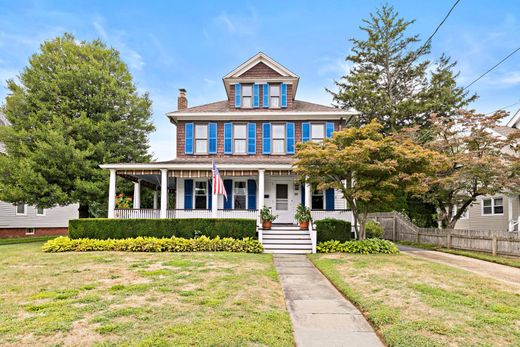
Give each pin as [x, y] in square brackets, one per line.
[261, 83]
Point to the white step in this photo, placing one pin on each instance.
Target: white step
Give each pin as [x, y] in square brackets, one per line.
[285, 227]
[285, 232]
[286, 251]
[287, 237]
[287, 241]
[286, 246]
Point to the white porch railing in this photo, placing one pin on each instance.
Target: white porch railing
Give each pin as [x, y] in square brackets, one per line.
[345, 215]
[129, 213]
[176, 213]
[514, 225]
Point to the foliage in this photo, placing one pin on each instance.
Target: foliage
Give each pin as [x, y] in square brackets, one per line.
[104, 228]
[123, 201]
[367, 167]
[333, 229]
[266, 215]
[303, 214]
[374, 230]
[153, 244]
[75, 106]
[477, 162]
[367, 246]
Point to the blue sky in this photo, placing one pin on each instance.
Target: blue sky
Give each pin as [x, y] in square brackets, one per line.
[192, 44]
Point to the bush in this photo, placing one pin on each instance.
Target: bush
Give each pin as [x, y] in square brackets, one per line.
[368, 246]
[153, 244]
[333, 229]
[374, 230]
[104, 228]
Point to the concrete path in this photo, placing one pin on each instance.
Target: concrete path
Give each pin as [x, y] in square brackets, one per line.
[320, 315]
[504, 273]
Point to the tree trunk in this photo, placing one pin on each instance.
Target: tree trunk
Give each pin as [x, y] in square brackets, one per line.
[83, 211]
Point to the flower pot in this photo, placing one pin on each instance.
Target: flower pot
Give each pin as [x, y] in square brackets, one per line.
[304, 225]
[267, 224]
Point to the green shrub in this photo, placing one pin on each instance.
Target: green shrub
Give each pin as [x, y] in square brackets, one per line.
[368, 246]
[104, 228]
[154, 244]
[333, 229]
[374, 230]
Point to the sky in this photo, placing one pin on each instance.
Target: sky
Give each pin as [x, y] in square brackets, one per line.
[169, 45]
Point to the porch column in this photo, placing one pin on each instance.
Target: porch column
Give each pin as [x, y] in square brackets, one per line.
[308, 195]
[261, 188]
[112, 193]
[510, 213]
[155, 197]
[164, 192]
[137, 194]
[214, 202]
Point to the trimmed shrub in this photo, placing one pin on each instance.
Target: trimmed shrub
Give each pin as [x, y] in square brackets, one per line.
[333, 229]
[104, 228]
[154, 244]
[368, 246]
[374, 230]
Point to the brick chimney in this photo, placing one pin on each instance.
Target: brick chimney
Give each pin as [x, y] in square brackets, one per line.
[182, 100]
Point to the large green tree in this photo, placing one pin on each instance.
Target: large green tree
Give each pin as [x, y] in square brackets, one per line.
[74, 107]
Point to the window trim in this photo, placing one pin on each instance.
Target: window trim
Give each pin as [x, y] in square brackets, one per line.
[235, 194]
[279, 86]
[242, 105]
[246, 139]
[322, 195]
[284, 139]
[43, 214]
[319, 140]
[24, 210]
[195, 138]
[195, 195]
[492, 206]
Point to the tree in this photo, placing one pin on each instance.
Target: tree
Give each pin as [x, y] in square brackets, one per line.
[479, 162]
[366, 166]
[75, 106]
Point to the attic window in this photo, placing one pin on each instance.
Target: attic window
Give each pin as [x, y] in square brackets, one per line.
[274, 93]
[247, 94]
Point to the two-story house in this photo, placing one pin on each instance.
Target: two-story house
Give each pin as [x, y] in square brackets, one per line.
[251, 136]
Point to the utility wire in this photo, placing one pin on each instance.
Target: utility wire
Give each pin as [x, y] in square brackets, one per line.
[492, 68]
[503, 108]
[438, 27]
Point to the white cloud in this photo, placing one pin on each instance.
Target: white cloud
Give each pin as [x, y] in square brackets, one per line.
[237, 24]
[335, 67]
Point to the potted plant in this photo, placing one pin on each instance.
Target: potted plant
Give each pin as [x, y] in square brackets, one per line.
[303, 216]
[267, 217]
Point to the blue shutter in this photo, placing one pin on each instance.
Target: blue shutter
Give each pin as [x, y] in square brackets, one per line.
[329, 129]
[256, 95]
[306, 132]
[228, 203]
[329, 199]
[302, 190]
[251, 138]
[188, 138]
[212, 135]
[266, 96]
[238, 98]
[251, 194]
[266, 138]
[289, 141]
[228, 135]
[188, 194]
[284, 95]
[210, 194]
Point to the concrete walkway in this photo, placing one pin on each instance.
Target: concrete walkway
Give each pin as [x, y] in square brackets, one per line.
[504, 273]
[320, 315]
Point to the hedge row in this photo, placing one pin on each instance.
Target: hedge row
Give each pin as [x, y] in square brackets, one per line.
[104, 228]
[333, 229]
[153, 244]
[368, 246]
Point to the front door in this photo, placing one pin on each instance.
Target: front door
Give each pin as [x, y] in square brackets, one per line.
[283, 202]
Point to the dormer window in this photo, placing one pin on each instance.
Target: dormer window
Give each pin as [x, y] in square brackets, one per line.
[247, 95]
[274, 96]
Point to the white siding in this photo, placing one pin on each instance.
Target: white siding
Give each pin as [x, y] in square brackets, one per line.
[54, 217]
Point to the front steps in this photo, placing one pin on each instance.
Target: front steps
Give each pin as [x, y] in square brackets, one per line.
[286, 239]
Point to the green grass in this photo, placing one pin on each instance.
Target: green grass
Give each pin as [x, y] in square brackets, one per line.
[15, 240]
[140, 299]
[498, 259]
[414, 302]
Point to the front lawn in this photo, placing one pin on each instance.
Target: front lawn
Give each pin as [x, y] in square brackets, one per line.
[414, 302]
[143, 299]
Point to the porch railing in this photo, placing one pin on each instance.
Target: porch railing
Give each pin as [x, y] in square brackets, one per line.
[181, 213]
[345, 214]
[148, 213]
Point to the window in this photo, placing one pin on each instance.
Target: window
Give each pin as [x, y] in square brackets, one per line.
[317, 201]
[201, 138]
[464, 215]
[201, 195]
[239, 138]
[274, 95]
[492, 206]
[29, 231]
[21, 209]
[317, 132]
[240, 195]
[40, 211]
[278, 138]
[247, 93]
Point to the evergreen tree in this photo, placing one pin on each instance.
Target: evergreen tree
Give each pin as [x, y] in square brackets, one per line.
[75, 106]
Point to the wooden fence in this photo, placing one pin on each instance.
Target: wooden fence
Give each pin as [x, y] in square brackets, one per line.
[399, 228]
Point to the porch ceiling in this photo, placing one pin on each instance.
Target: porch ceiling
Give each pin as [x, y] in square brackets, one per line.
[148, 179]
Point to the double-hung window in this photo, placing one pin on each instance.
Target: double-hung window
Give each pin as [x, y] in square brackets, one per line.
[40, 211]
[201, 138]
[278, 138]
[201, 195]
[317, 132]
[247, 95]
[492, 206]
[274, 96]
[240, 195]
[21, 209]
[239, 138]
[317, 201]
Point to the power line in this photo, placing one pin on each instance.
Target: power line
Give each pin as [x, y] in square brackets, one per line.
[438, 26]
[503, 108]
[492, 68]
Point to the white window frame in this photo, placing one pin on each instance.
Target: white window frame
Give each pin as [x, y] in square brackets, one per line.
[235, 194]
[241, 138]
[279, 96]
[196, 138]
[243, 96]
[44, 212]
[493, 205]
[195, 194]
[284, 138]
[318, 139]
[24, 210]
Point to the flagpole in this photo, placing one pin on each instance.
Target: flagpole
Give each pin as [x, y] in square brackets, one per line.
[214, 197]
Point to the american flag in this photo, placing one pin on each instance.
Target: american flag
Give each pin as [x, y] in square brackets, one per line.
[218, 183]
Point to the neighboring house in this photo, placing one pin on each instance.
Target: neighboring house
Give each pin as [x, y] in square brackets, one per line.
[251, 136]
[24, 220]
[499, 212]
